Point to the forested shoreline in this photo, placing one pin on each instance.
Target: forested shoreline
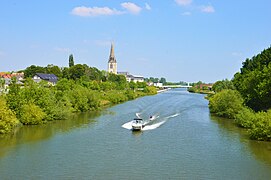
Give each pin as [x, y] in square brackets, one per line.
[79, 89]
[247, 97]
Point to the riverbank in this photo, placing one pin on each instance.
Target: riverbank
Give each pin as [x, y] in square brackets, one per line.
[39, 103]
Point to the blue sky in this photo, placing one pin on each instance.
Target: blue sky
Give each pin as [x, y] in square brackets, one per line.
[181, 40]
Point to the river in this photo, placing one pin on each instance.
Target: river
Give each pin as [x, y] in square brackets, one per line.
[183, 142]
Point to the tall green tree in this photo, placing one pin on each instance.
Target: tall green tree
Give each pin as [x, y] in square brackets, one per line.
[254, 81]
[52, 69]
[71, 61]
[162, 80]
[32, 70]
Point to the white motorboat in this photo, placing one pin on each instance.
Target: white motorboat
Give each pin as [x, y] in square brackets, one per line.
[137, 124]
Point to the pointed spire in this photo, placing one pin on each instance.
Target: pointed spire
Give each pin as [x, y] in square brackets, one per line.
[112, 54]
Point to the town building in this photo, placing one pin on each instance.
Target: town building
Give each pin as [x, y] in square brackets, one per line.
[5, 79]
[130, 77]
[112, 68]
[50, 78]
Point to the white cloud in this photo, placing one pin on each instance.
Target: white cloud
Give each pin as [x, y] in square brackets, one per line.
[183, 2]
[131, 7]
[207, 9]
[94, 11]
[147, 6]
[186, 13]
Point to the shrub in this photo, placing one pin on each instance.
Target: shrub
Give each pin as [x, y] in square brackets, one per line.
[261, 129]
[8, 119]
[32, 114]
[245, 118]
[226, 103]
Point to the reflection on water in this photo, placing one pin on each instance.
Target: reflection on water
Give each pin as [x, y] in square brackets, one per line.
[261, 150]
[35, 133]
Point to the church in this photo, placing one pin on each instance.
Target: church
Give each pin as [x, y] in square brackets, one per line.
[112, 68]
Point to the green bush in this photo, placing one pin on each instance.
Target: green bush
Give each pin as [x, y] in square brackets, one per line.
[130, 94]
[8, 119]
[226, 103]
[150, 90]
[245, 118]
[261, 129]
[32, 114]
[115, 96]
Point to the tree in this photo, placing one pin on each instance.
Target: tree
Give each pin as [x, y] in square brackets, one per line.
[162, 80]
[221, 85]
[254, 82]
[71, 61]
[32, 114]
[226, 103]
[32, 70]
[8, 119]
[77, 71]
[52, 69]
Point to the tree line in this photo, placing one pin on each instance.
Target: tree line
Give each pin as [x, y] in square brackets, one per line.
[80, 88]
[247, 97]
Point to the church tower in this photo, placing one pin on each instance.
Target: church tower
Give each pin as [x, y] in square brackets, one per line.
[112, 62]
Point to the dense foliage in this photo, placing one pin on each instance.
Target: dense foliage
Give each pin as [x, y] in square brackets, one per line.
[253, 84]
[8, 119]
[80, 88]
[222, 85]
[227, 103]
[254, 81]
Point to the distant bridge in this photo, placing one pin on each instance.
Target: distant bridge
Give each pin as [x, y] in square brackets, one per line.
[177, 86]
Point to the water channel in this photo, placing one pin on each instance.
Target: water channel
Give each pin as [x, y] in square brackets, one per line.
[183, 142]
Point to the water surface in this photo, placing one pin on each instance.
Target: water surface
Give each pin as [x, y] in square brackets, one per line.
[184, 142]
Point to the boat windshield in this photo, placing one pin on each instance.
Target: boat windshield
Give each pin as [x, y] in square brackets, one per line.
[138, 120]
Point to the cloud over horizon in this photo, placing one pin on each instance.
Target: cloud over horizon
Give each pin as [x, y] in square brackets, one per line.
[207, 9]
[201, 8]
[129, 7]
[94, 11]
[183, 2]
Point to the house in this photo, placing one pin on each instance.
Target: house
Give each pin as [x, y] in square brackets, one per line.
[130, 77]
[50, 78]
[6, 80]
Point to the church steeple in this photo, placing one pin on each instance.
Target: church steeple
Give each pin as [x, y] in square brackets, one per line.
[112, 62]
[112, 54]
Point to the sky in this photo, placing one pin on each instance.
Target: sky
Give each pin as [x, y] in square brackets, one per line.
[180, 40]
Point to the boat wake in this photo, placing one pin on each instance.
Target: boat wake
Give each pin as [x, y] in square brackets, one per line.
[155, 123]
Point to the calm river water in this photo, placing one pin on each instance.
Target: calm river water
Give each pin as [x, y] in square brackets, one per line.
[183, 142]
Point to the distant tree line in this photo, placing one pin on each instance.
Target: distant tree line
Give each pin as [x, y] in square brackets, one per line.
[247, 97]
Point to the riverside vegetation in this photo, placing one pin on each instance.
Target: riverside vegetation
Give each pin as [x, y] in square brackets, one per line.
[247, 97]
[81, 88]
